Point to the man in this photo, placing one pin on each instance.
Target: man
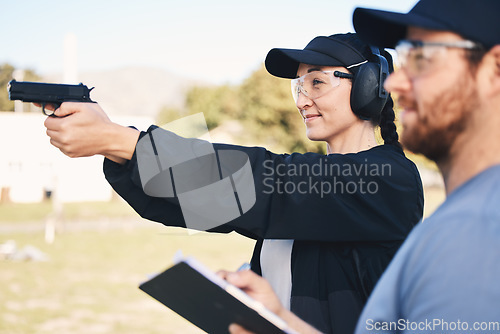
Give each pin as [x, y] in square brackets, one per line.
[444, 279]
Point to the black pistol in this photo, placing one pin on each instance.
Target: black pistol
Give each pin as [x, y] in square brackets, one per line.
[46, 93]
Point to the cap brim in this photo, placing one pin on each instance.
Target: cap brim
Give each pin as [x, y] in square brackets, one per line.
[284, 63]
[386, 29]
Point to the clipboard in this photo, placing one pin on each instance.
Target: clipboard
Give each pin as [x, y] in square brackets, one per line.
[208, 301]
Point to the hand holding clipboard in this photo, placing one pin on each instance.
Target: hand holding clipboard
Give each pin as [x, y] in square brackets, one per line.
[208, 301]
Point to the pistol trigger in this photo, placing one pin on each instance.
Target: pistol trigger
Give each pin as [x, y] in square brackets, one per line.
[45, 111]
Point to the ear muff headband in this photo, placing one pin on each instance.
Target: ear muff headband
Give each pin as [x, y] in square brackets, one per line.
[384, 72]
[368, 96]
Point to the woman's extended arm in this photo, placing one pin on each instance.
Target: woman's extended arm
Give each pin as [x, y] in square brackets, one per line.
[367, 196]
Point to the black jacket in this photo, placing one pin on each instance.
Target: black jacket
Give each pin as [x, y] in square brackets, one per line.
[344, 239]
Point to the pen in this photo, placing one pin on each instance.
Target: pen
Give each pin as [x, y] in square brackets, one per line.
[244, 266]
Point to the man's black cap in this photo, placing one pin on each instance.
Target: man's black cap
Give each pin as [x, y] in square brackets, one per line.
[476, 20]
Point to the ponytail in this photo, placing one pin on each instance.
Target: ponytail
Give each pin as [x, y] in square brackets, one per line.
[386, 121]
[387, 126]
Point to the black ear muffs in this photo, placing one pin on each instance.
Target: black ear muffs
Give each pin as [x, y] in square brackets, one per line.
[368, 96]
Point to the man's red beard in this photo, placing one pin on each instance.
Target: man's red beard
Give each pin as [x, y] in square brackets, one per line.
[435, 131]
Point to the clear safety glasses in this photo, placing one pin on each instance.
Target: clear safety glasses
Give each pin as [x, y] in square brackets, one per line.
[317, 83]
[419, 57]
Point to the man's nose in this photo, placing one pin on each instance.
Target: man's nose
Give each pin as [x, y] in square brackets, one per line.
[397, 82]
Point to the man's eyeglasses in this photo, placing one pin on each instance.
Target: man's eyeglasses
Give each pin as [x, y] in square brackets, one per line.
[317, 83]
[419, 57]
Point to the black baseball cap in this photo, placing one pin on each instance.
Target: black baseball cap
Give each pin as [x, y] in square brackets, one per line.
[334, 50]
[477, 20]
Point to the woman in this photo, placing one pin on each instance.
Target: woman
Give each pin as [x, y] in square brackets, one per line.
[326, 225]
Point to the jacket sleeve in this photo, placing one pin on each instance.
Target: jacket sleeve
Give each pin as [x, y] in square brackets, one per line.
[373, 195]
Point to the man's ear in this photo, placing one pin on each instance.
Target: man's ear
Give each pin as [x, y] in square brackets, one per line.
[494, 67]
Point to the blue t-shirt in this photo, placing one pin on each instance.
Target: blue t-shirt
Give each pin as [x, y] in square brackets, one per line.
[446, 276]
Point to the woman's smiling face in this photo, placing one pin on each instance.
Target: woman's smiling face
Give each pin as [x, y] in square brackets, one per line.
[330, 115]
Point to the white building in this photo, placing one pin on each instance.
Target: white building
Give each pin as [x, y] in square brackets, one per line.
[30, 166]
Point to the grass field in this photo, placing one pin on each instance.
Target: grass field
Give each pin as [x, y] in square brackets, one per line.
[89, 285]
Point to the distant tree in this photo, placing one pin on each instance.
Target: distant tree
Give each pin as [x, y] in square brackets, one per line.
[262, 103]
[6, 71]
[167, 115]
[216, 103]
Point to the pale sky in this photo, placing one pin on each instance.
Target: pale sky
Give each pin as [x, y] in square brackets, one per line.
[219, 41]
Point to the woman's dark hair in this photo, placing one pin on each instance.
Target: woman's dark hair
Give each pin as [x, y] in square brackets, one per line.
[386, 119]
